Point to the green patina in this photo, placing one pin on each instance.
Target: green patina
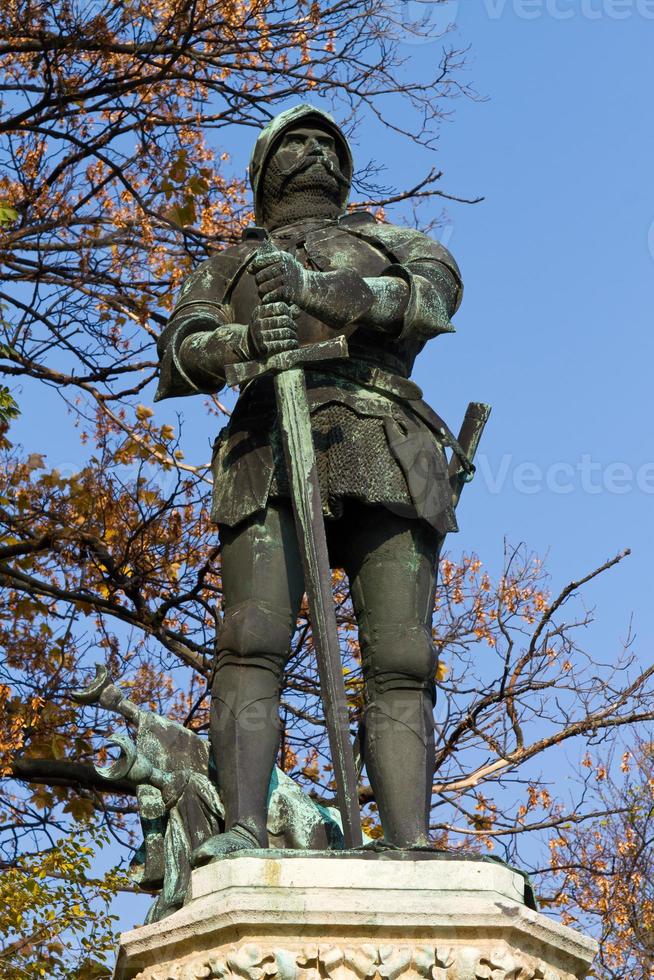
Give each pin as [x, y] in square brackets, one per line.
[171, 773]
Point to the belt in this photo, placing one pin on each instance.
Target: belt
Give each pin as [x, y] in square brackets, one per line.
[404, 390]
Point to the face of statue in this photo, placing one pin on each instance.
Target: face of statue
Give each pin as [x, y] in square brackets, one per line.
[306, 148]
[303, 178]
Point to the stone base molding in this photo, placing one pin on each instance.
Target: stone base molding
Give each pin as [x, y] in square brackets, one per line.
[343, 917]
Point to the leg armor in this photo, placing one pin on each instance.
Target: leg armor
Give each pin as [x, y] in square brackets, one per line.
[263, 587]
[391, 563]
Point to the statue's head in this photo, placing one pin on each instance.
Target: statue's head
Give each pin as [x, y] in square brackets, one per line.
[301, 167]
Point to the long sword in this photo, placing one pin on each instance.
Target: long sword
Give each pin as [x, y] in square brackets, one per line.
[295, 424]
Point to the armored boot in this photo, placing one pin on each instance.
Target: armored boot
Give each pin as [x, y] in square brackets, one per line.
[398, 752]
[244, 740]
[263, 586]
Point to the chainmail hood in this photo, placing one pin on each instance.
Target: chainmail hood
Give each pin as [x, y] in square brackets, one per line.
[268, 141]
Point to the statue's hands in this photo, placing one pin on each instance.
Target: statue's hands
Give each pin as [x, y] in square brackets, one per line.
[272, 328]
[279, 277]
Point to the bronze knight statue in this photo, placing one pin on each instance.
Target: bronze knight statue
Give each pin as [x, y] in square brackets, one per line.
[309, 277]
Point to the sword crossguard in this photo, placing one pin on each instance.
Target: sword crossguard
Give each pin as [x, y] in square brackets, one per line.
[325, 350]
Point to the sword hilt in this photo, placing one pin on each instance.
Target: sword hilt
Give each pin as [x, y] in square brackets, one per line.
[325, 350]
[473, 425]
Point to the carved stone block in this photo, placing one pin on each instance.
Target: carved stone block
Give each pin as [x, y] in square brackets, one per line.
[343, 917]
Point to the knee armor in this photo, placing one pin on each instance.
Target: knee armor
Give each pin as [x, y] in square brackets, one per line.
[253, 634]
[398, 658]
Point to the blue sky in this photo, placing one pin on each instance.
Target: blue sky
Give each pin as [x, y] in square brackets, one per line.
[555, 329]
[556, 326]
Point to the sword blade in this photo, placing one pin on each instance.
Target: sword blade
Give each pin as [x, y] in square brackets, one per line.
[295, 425]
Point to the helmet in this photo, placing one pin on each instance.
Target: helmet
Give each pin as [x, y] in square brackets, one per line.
[270, 136]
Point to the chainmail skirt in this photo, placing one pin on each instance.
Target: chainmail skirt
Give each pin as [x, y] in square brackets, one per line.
[353, 460]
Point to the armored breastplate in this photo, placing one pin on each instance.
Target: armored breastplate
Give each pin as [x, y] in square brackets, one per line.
[322, 247]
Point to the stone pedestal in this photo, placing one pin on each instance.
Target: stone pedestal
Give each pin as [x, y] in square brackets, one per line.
[345, 917]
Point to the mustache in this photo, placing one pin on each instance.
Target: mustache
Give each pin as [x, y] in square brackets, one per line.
[309, 160]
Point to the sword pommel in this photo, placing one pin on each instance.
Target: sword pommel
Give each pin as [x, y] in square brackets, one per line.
[325, 350]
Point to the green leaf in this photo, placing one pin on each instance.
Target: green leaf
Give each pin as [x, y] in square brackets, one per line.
[179, 168]
[182, 215]
[197, 186]
[7, 215]
[79, 808]
[8, 408]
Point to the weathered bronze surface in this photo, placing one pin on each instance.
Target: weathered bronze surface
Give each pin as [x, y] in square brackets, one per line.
[179, 805]
[348, 437]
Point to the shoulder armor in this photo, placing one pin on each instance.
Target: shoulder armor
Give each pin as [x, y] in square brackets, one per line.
[406, 244]
[357, 219]
[211, 281]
